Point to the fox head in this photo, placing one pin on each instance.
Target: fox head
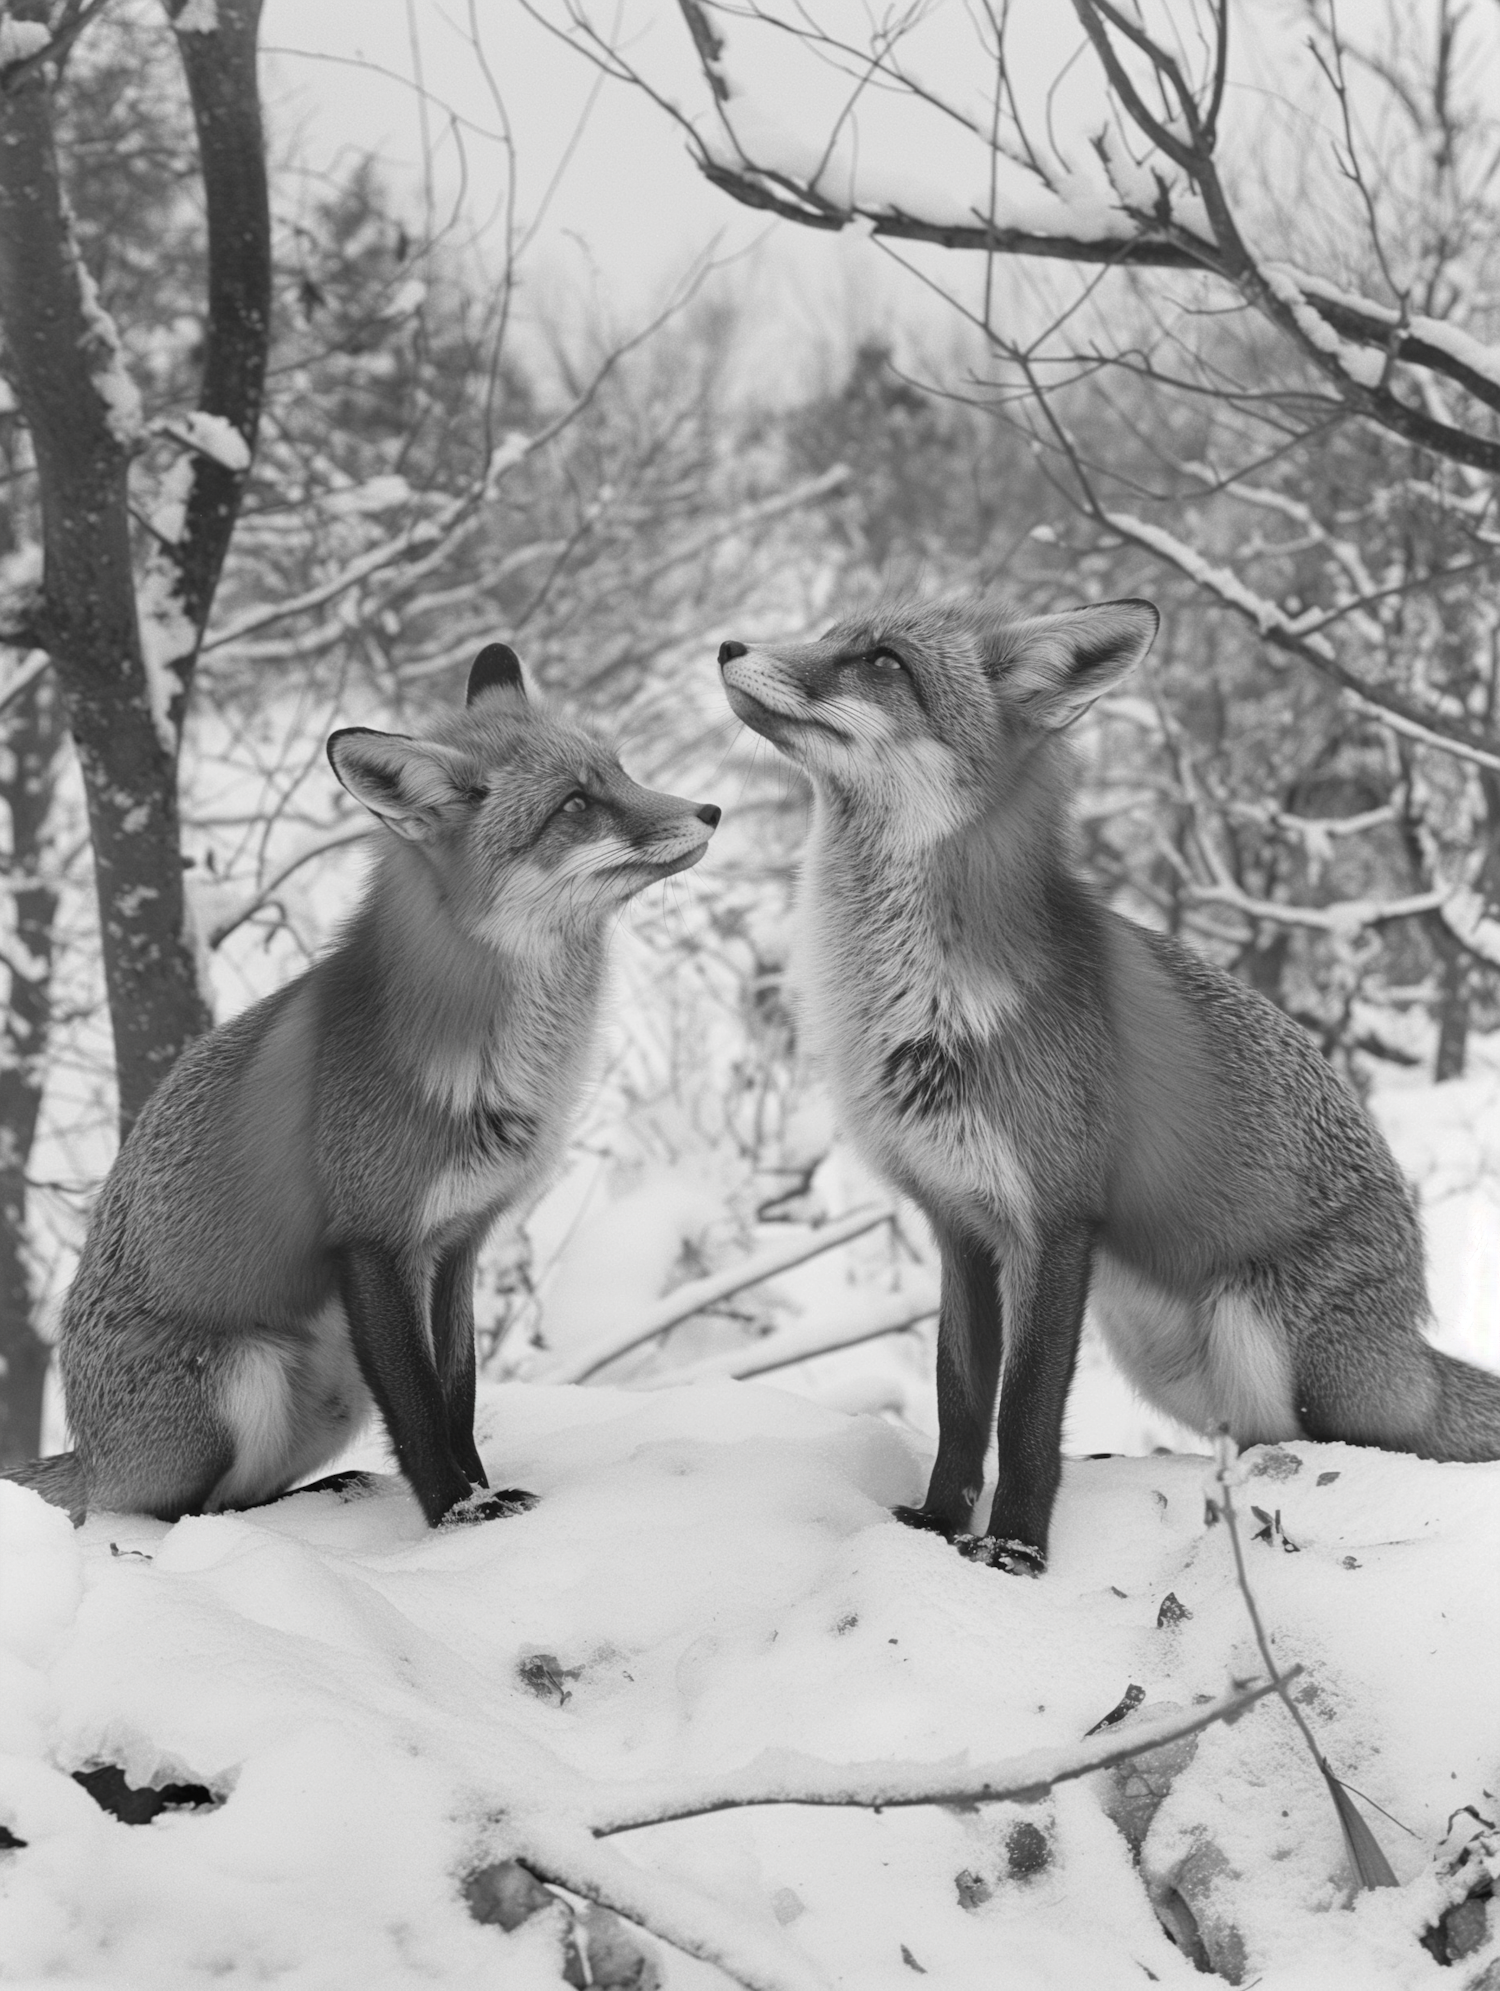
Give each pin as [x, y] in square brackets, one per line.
[531, 826]
[927, 712]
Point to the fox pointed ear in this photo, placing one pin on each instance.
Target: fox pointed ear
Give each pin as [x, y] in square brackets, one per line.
[1059, 664]
[496, 668]
[411, 785]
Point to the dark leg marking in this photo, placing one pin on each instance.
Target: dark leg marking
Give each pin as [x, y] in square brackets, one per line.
[968, 1366]
[390, 1343]
[453, 1349]
[453, 1345]
[1045, 1291]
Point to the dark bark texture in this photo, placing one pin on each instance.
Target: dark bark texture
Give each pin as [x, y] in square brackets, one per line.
[56, 351]
[221, 77]
[31, 733]
[61, 361]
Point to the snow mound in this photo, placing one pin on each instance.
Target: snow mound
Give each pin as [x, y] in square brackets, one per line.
[378, 1711]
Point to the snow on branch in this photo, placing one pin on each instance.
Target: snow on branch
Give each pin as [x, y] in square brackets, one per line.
[1221, 582]
[212, 436]
[20, 680]
[1472, 920]
[786, 1777]
[1416, 341]
[417, 538]
[21, 39]
[1347, 916]
[748, 1953]
[1095, 203]
[1289, 633]
[106, 357]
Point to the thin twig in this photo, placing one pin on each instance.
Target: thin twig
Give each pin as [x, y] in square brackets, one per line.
[1371, 1867]
[791, 1346]
[691, 1299]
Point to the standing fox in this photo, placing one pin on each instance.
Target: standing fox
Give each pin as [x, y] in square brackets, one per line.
[1083, 1109]
[291, 1226]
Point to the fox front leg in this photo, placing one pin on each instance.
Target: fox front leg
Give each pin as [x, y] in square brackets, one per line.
[968, 1366]
[453, 1348]
[453, 1351]
[1045, 1290]
[390, 1345]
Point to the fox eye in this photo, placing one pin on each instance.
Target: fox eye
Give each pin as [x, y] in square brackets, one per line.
[885, 659]
[576, 803]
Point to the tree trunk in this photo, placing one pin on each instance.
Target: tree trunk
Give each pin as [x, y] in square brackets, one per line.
[65, 366]
[33, 733]
[220, 68]
[1453, 1013]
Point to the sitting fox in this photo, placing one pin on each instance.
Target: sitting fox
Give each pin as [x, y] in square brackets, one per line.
[1084, 1109]
[291, 1226]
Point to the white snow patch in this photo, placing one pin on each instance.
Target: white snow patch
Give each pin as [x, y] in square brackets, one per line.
[214, 436]
[1447, 1140]
[1366, 365]
[167, 635]
[375, 495]
[622, 1254]
[18, 39]
[409, 298]
[107, 371]
[514, 447]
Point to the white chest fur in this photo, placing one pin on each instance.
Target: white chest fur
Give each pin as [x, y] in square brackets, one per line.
[511, 1094]
[873, 952]
[877, 975]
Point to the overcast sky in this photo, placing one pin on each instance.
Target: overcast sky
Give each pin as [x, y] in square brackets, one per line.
[621, 211]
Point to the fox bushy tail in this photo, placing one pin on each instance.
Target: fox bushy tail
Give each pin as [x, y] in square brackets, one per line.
[1468, 1419]
[58, 1480]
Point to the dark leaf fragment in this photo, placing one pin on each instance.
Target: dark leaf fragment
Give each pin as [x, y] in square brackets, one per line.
[1128, 1702]
[106, 1785]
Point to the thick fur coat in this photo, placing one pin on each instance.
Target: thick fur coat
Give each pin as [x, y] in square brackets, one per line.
[289, 1233]
[1083, 1108]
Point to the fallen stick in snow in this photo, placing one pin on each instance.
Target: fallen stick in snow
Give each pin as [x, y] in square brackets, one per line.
[671, 1910]
[786, 1778]
[700, 1293]
[783, 1350]
[1371, 1867]
[564, 1848]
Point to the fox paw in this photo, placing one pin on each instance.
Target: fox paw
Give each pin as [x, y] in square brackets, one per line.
[918, 1517]
[483, 1505]
[1015, 1558]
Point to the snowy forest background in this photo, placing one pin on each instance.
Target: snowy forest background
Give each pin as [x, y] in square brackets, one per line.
[1198, 303]
[1297, 464]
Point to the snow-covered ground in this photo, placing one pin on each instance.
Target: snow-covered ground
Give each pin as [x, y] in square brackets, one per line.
[710, 1574]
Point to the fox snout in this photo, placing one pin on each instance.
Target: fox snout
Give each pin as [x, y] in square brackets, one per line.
[759, 693]
[676, 844]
